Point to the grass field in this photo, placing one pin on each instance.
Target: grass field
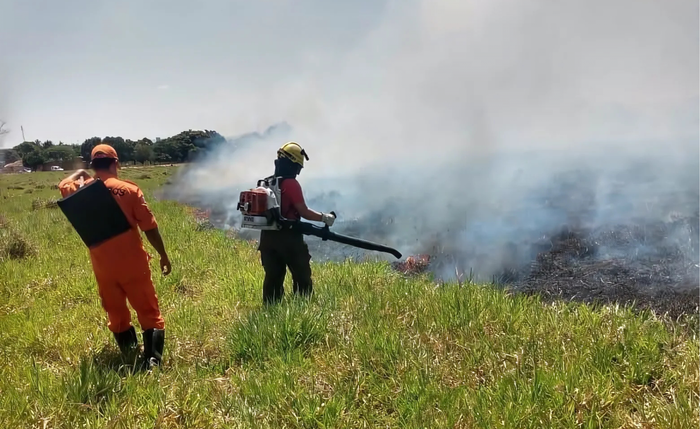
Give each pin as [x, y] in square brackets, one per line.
[370, 349]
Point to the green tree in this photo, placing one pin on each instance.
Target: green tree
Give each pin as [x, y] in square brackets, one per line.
[59, 153]
[144, 153]
[73, 147]
[26, 147]
[186, 146]
[34, 158]
[165, 151]
[124, 148]
[86, 147]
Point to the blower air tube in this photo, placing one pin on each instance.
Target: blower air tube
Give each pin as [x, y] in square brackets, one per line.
[94, 213]
[325, 234]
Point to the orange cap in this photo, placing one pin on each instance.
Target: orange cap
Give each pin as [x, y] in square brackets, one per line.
[103, 151]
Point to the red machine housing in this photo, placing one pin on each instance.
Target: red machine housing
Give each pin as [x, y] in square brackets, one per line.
[253, 202]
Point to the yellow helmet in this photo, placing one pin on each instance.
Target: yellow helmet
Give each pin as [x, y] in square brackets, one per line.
[293, 152]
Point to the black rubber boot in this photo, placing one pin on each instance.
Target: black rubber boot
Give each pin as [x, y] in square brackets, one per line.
[127, 341]
[153, 344]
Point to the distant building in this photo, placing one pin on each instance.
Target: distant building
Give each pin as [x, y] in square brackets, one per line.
[14, 167]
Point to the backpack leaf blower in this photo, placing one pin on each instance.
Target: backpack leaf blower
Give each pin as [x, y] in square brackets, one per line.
[261, 211]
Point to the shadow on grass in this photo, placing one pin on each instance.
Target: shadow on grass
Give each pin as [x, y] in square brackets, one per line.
[97, 381]
[287, 331]
[111, 359]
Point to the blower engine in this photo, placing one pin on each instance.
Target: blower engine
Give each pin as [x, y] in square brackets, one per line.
[260, 206]
[260, 209]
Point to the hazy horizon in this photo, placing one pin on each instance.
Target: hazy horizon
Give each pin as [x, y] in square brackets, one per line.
[597, 70]
[151, 70]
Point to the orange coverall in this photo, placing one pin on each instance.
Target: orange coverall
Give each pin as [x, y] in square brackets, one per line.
[121, 264]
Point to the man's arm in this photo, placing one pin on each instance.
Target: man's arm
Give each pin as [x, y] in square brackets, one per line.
[73, 182]
[308, 213]
[77, 175]
[147, 223]
[304, 211]
[154, 237]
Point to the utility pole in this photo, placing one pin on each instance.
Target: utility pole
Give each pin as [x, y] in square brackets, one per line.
[22, 128]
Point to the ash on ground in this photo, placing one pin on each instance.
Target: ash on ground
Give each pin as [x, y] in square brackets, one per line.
[653, 266]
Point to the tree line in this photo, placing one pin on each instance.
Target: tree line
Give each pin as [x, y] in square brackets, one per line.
[183, 147]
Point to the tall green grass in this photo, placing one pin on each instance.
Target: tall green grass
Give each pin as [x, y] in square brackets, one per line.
[369, 349]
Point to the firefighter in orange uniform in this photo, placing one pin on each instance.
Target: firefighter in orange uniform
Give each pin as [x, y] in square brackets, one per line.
[121, 264]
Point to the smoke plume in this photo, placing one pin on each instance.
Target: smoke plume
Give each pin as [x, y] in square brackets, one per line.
[473, 129]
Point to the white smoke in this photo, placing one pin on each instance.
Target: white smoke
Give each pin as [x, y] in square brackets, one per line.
[452, 114]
